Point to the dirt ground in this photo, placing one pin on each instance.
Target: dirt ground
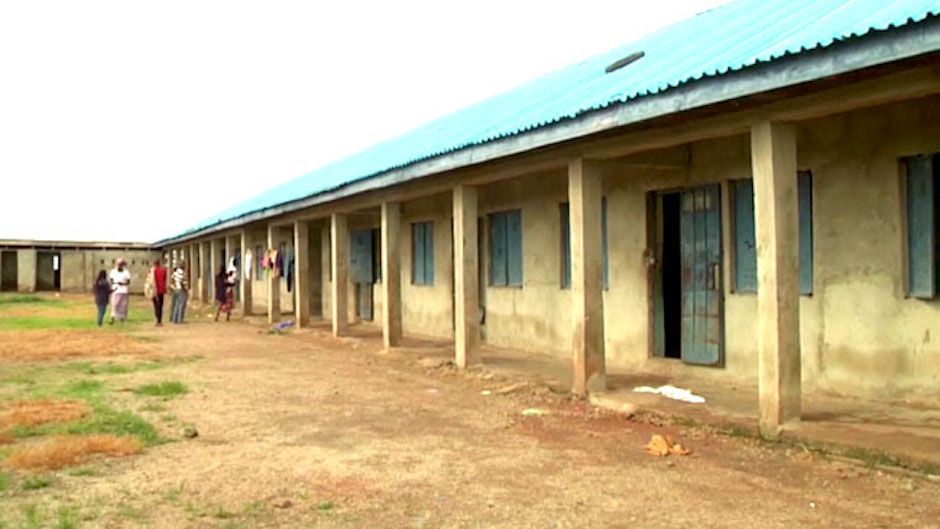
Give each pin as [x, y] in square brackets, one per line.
[301, 430]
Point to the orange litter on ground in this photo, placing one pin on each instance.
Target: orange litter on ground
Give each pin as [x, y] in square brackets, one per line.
[662, 446]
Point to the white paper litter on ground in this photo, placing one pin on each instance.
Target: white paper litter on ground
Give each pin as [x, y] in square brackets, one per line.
[672, 392]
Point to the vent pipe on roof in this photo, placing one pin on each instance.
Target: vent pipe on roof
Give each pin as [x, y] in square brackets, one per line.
[633, 57]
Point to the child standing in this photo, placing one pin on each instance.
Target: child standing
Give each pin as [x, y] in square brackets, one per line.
[102, 289]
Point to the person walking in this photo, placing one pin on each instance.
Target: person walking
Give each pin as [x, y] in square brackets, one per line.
[102, 289]
[224, 293]
[180, 294]
[158, 275]
[120, 279]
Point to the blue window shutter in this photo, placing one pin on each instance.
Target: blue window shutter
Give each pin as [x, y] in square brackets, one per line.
[428, 253]
[498, 249]
[920, 228]
[417, 251]
[565, 246]
[745, 245]
[805, 184]
[514, 248]
[361, 257]
[604, 242]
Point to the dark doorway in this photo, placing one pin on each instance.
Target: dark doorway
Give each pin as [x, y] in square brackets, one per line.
[672, 277]
[48, 271]
[687, 300]
[362, 270]
[8, 267]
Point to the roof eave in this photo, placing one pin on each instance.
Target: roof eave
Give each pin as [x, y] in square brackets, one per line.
[874, 49]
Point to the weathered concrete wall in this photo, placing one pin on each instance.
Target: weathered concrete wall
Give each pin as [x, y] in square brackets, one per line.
[326, 279]
[26, 278]
[138, 263]
[74, 273]
[873, 337]
[536, 316]
[427, 310]
[859, 331]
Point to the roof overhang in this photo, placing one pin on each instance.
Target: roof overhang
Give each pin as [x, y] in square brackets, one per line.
[872, 50]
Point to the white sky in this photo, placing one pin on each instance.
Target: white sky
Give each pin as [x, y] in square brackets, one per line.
[131, 121]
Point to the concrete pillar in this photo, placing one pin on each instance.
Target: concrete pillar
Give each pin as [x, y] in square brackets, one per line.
[339, 250]
[274, 282]
[391, 274]
[245, 284]
[193, 271]
[466, 277]
[584, 196]
[214, 263]
[203, 280]
[776, 224]
[302, 279]
[26, 270]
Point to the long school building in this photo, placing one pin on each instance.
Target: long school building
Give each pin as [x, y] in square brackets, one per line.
[723, 198]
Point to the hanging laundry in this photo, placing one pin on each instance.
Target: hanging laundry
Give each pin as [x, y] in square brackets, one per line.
[290, 271]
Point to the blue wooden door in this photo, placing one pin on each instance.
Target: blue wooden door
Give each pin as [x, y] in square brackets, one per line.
[700, 247]
[361, 270]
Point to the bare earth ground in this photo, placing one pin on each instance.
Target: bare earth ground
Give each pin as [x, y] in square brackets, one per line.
[303, 430]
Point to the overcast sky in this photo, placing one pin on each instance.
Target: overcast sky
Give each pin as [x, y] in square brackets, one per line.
[131, 121]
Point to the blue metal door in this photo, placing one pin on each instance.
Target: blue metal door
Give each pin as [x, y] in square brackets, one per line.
[700, 246]
[361, 270]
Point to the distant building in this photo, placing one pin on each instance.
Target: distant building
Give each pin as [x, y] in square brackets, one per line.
[747, 195]
[68, 266]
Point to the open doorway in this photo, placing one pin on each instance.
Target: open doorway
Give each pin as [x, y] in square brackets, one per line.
[48, 271]
[671, 277]
[8, 269]
[686, 275]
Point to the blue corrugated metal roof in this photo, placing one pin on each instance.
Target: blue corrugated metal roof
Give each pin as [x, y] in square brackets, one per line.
[728, 38]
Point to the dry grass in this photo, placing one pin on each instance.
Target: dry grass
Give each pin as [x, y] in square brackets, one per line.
[5, 438]
[34, 412]
[57, 344]
[63, 451]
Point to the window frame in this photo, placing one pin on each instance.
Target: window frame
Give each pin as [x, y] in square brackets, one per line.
[422, 231]
[511, 277]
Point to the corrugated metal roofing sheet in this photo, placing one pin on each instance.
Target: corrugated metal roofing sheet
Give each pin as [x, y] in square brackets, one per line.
[728, 38]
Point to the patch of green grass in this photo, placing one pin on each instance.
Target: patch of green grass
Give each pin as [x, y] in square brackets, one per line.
[36, 482]
[66, 518]
[110, 421]
[82, 472]
[325, 506]
[28, 323]
[31, 517]
[5, 481]
[11, 299]
[83, 389]
[114, 368]
[162, 389]
[222, 514]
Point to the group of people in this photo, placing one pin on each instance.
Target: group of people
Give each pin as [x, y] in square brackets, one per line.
[114, 289]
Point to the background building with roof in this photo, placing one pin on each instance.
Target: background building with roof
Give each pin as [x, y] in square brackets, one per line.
[68, 266]
[747, 195]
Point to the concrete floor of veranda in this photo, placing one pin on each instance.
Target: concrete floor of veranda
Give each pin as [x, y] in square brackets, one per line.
[303, 430]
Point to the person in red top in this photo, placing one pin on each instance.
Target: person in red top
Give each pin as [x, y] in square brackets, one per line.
[159, 282]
